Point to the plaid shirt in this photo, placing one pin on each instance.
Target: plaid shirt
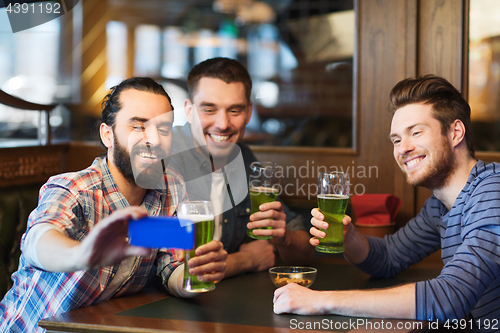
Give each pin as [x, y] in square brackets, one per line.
[74, 202]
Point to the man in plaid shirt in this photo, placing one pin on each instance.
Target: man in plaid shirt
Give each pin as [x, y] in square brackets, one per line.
[75, 251]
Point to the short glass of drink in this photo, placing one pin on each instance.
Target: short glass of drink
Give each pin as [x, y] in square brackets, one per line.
[333, 197]
[264, 181]
[202, 215]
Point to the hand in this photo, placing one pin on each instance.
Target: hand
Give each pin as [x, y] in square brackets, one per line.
[318, 222]
[260, 253]
[293, 298]
[209, 263]
[271, 214]
[106, 244]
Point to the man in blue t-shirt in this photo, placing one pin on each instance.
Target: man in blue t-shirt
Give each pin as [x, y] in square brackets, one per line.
[432, 138]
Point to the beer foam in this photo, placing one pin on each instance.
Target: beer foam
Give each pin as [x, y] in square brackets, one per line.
[333, 196]
[264, 189]
[196, 217]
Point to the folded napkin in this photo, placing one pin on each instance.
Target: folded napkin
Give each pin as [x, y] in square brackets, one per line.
[375, 209]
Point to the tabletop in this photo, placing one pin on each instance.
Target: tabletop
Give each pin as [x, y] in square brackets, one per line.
[239, 304]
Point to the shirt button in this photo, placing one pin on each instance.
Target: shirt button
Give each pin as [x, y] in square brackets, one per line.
[248, 210]
[225, 220]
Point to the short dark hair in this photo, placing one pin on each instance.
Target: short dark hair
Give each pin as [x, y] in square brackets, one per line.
[111, 103]
[447, 102]
[225, 69]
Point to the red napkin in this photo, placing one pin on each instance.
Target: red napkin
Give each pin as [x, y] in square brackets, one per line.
[375, 209]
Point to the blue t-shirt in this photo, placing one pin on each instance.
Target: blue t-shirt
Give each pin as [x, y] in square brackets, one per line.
[469, 238]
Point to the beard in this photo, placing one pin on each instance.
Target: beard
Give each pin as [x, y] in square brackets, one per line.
[151, 177]
[439, 170]
[121, 159]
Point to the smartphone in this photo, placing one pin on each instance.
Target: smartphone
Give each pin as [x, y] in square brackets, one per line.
[161, 231]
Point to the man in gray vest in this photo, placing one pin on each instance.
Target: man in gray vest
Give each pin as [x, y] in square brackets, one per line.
[214, 163]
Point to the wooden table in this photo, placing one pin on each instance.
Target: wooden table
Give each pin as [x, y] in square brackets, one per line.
[239, 304]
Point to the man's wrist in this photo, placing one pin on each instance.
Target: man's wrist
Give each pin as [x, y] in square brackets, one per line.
[284, 241]
[79, 258]
[357, 248]
[239, 262]
[329, 303]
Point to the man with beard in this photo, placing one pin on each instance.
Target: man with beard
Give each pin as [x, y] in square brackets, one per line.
[432, 138]
[214, 163]
[75, 250]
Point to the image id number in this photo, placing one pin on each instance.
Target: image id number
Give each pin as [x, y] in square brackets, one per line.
[487, 324]
[35, 8]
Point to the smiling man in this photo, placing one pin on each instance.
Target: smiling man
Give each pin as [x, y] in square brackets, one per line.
[214, 163]
[432, 138]
[75, 250]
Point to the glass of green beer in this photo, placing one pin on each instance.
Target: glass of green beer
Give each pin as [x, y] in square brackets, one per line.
[264, 181]
[333, 197]
[202, 215]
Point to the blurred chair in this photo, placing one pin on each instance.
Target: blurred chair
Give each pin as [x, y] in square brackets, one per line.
[16, 203]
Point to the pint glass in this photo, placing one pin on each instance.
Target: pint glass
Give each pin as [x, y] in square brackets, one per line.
[333, 197]
[264, 184]
[202, 215]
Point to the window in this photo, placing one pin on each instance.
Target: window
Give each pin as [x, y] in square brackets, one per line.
[116, 52]
[29, 69]
[299, 54]
[484, 73]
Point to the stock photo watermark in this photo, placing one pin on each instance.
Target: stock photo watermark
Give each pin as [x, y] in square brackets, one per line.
[355, 324]
[296, 186]
[393, 324]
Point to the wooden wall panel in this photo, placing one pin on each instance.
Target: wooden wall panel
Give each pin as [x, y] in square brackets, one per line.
[440, 39]
[301, 167]
[440, 48]
[96, 15]
[30, 165]
[89, 70]
[387, 43]
[80, 155]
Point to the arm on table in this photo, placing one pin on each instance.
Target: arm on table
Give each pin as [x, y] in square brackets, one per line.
[106, 244]
[395, 302]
